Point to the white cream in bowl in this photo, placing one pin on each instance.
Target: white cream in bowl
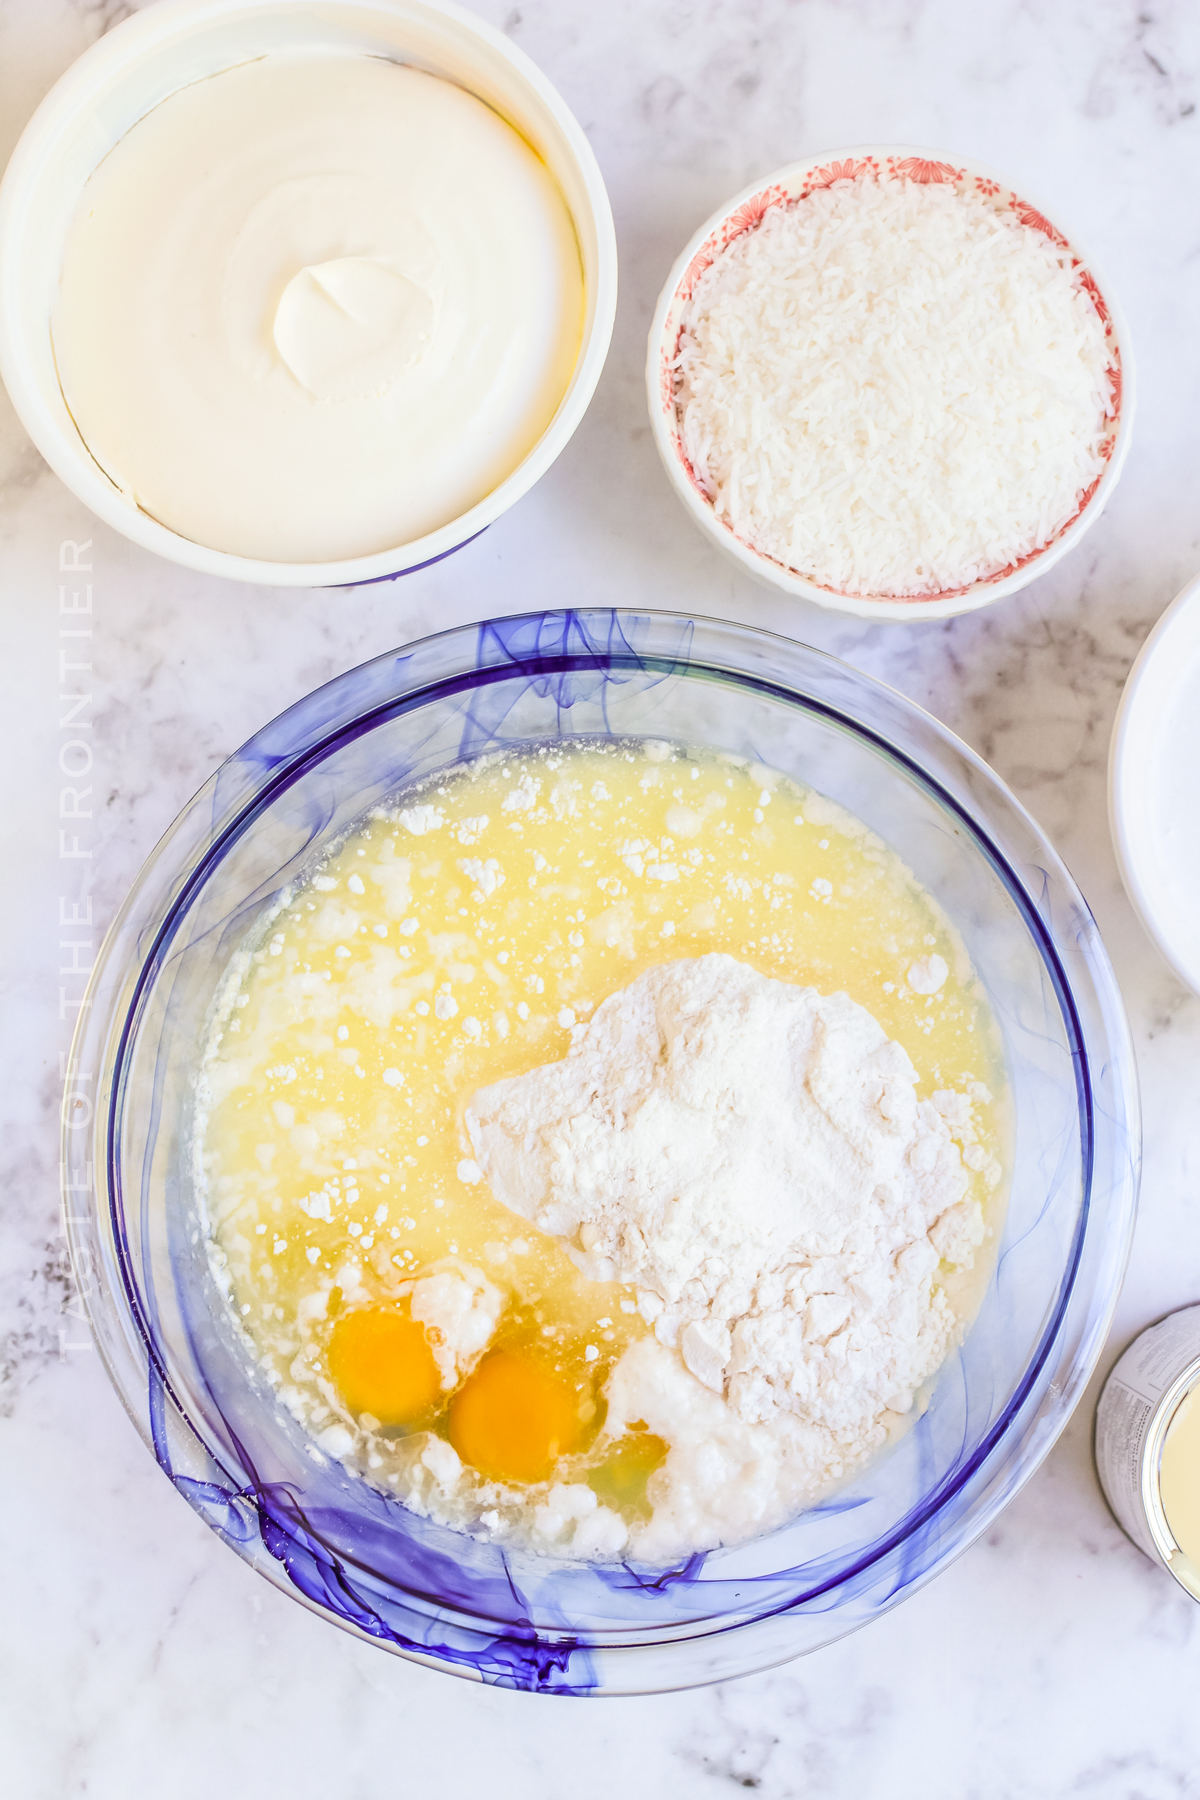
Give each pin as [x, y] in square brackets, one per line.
[317, 306]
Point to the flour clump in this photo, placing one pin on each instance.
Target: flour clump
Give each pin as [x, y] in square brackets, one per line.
[753, 1157]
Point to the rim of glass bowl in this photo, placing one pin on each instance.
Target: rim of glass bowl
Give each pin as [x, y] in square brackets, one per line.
[557, 646]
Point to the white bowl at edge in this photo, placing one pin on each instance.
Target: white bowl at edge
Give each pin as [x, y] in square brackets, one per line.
[795, 181]
[163, 48]
[1153, 785]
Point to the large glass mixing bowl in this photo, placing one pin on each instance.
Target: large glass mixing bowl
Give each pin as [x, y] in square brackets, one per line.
[358, 1556]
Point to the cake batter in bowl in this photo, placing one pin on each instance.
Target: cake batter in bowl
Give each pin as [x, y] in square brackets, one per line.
[467, 1603]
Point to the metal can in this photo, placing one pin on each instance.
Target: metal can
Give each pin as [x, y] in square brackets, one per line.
[1139, 1401]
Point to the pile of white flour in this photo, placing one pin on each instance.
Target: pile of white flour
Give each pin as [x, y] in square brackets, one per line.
[753, 1157]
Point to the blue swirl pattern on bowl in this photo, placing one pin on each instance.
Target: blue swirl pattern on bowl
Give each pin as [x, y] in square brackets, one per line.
[357, 1555]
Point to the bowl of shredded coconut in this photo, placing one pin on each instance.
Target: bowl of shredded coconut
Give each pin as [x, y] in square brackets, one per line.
[883, 380]
[612, 1155]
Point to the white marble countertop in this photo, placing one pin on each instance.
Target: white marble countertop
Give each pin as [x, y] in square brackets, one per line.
[1052, 1659]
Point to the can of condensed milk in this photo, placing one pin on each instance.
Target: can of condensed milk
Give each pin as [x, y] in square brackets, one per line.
[1148, 1444]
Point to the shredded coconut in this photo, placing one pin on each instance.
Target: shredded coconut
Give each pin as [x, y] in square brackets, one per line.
[893, 388]
[753, 1157]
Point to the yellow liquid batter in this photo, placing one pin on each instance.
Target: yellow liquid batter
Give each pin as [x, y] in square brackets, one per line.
[1179, 1477]
[456, 939]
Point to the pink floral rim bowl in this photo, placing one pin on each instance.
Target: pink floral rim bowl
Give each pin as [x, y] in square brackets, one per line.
[794, 183]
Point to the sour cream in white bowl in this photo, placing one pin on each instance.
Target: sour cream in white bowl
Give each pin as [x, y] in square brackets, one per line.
[305, 296]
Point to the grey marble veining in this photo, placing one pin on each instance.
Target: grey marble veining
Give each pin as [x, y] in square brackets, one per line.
[1052, 1659]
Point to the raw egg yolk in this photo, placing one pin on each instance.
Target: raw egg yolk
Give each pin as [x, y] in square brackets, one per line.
[382, 1364]
[512, 1419]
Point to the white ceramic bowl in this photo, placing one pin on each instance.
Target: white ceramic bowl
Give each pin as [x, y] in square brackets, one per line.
[177, 42]
[795, 182]
[1153, 792]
